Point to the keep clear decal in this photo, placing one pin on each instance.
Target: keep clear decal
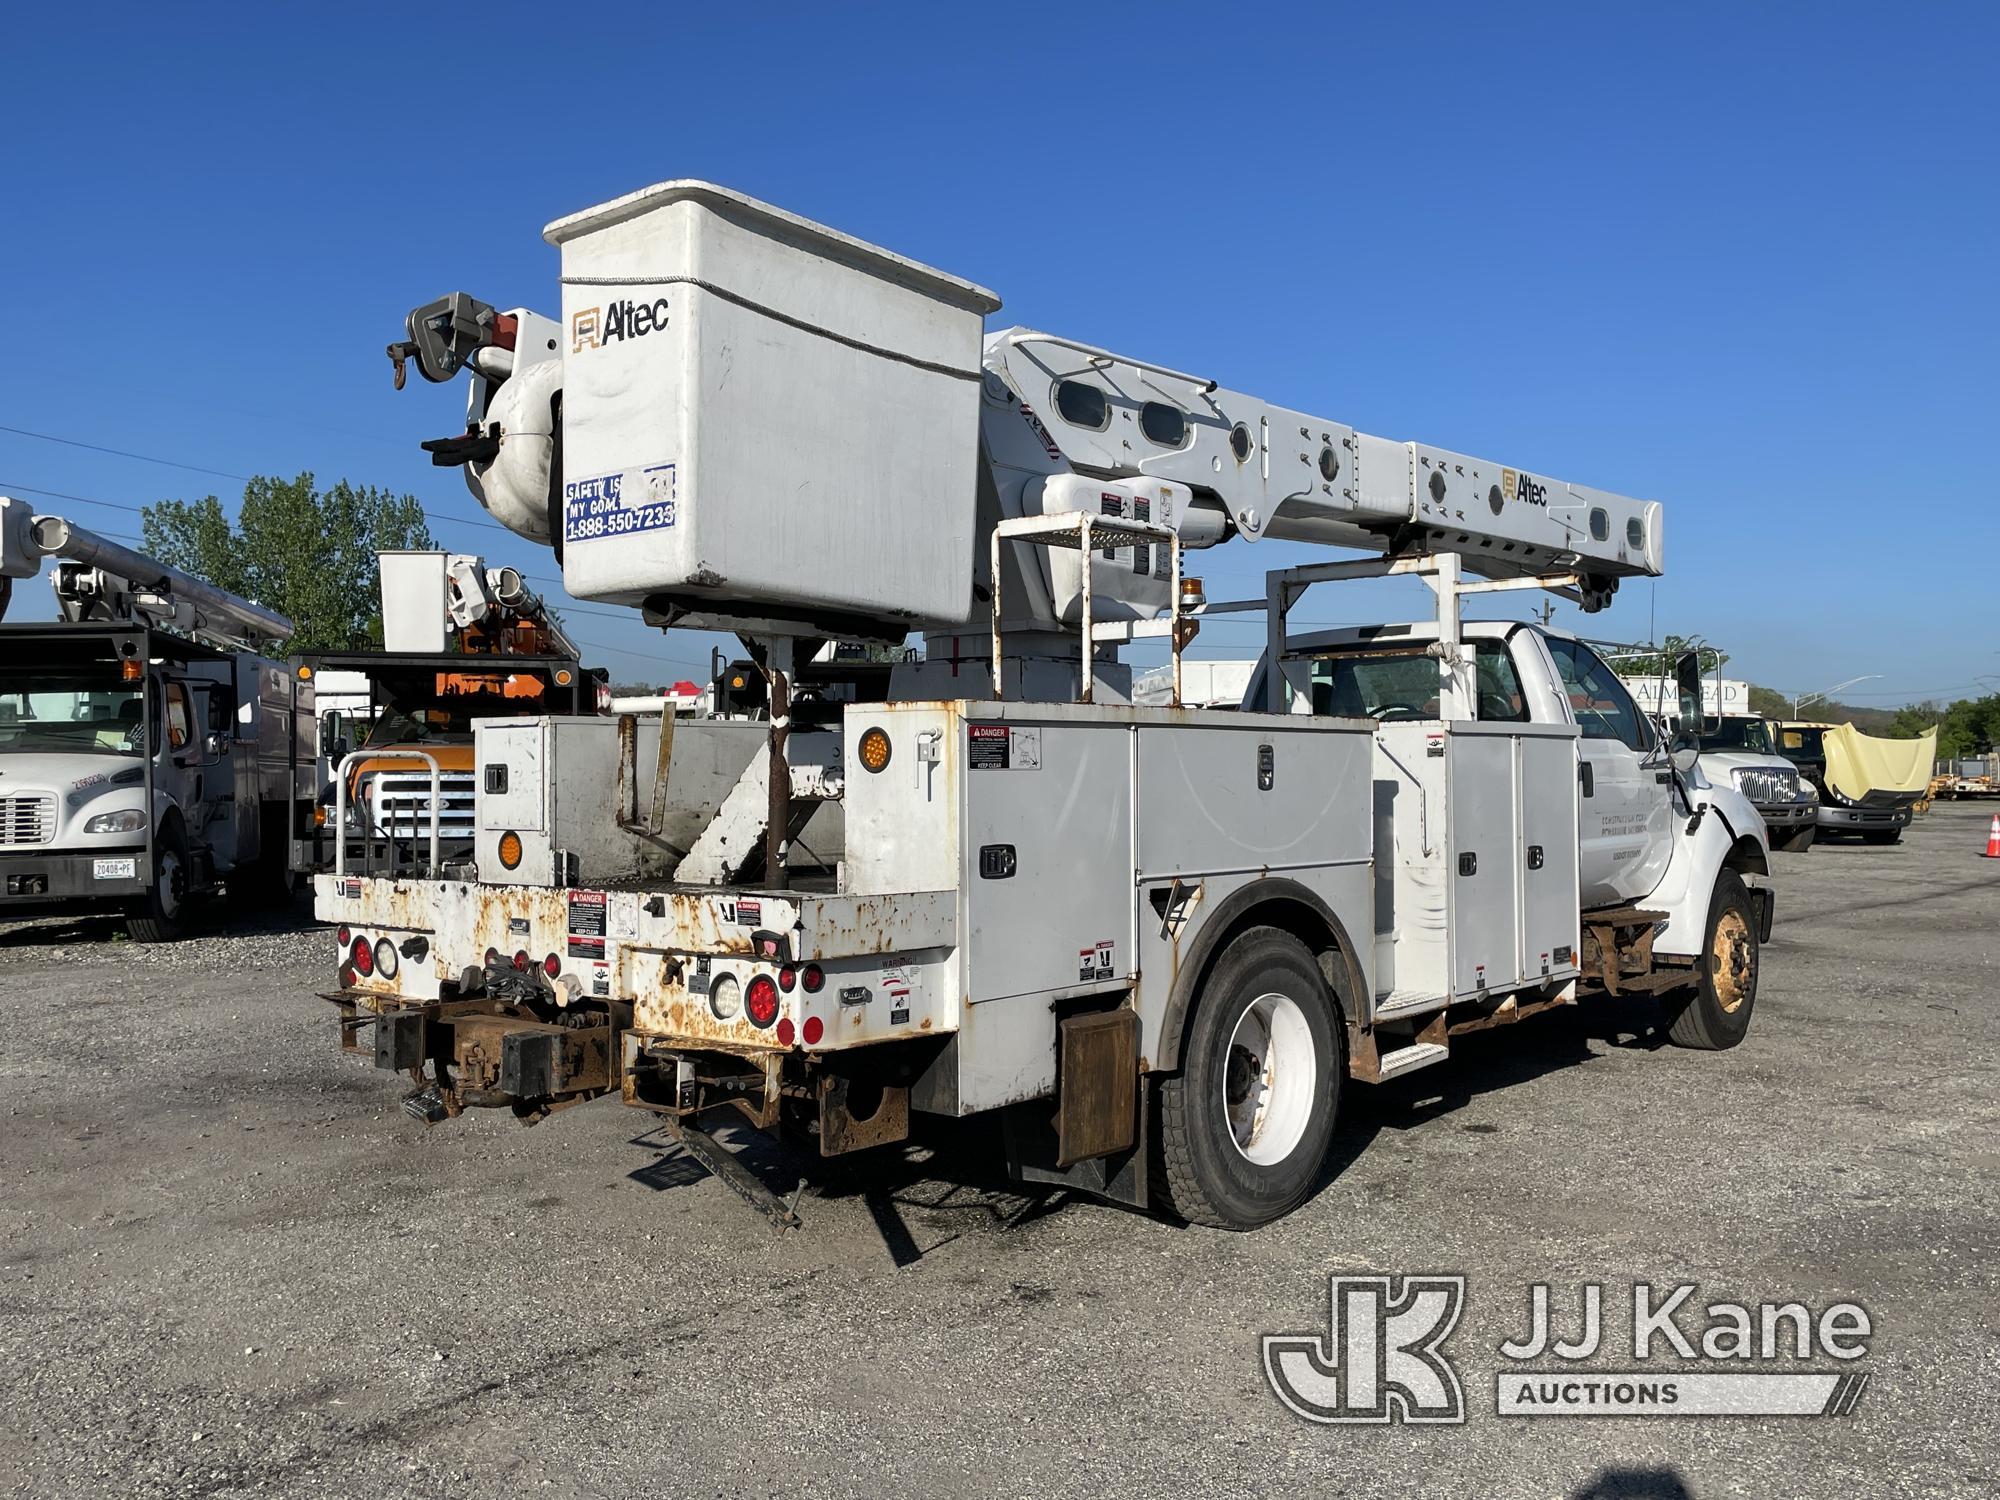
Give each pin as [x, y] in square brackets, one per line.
[1097, 962]
[587, 918]
[897, 981]
[996, 747]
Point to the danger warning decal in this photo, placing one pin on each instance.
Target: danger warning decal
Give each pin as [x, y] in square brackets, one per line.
[585, 936]
[1097, 962]
[996, 747]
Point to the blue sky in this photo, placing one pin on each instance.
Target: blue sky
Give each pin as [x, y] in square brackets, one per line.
[1738, 259]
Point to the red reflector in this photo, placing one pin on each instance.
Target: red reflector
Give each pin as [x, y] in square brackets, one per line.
[344, 936]
[760, 1000]
[521, 960]
[785, 1032]
[814, 979]
[814, 1029]
[362, 957]
[787, 977]
[552, 965]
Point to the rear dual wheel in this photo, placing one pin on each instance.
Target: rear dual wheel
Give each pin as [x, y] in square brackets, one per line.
[1246, 1124]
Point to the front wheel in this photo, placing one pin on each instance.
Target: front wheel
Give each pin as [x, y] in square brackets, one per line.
[1246, 1123]
[161, 915]
[1715, 1010]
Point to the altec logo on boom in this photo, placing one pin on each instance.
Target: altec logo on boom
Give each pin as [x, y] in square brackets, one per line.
[594, 327]
[1527, 490]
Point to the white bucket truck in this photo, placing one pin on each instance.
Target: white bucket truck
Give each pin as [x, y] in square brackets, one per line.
[1163, 941]
[151, 747]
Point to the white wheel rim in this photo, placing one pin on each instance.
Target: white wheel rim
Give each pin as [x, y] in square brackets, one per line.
[1269, 1077]
[170, 876]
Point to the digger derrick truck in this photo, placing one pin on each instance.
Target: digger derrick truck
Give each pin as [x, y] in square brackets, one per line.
[1160, 942]
[152, 747]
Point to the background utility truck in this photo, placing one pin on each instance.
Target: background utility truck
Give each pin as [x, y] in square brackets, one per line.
[460, 642]
[150, 746]
[1160, 941]
[1741, 748]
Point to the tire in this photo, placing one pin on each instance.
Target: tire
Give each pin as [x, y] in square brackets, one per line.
[1715, 1011]
[161, 915]
[1881, 835]
[1236, 1156]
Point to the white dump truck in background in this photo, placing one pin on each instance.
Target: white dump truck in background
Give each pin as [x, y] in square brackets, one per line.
[152, 747]
[1160, 941]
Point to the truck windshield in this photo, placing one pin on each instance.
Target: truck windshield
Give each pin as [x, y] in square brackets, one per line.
[1805, 746]
[69, 711]
[1402, 683]
[1740, 734]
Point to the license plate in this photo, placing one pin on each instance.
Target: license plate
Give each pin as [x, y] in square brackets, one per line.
[112, 869]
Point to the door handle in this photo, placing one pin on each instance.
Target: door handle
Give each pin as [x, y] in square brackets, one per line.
[1587, 777]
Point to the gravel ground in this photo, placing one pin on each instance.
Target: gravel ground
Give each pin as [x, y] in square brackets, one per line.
[230, 1266]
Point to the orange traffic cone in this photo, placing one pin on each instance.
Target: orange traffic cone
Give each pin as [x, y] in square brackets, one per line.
[1993, 839]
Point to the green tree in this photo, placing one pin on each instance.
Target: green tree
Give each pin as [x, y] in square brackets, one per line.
[1769, 702]
[305, 552]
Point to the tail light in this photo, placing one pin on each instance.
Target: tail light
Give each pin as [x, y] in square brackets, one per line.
[343, 935]
[521, 960]
[492, 957]
[760, 1000]
[813, 977]
[787, 977]
[813, 1030]
[552, 965]
[385, 958]
[362, 957]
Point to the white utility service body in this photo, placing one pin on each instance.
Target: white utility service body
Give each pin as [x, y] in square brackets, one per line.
[1157, 937]
[150, 746]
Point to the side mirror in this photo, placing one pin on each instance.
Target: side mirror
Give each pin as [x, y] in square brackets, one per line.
[216, 744]
[1687, 679]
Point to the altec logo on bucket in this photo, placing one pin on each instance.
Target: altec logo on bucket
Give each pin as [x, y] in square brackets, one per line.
[594, 327]
[1382, 1358]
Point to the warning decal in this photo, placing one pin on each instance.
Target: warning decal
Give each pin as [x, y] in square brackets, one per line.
[986, 747]
[586, 924]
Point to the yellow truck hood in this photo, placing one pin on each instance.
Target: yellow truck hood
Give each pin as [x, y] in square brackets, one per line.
[1857, 764]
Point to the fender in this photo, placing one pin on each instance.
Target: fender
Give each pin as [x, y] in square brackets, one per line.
[1275, 902]
[1732, 835]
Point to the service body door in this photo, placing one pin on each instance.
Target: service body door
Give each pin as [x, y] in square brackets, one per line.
[1625, 793]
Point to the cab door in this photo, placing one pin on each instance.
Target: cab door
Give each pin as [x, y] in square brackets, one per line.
[1624, 790]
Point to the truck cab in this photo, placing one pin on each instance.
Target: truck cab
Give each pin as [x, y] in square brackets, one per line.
[1741, 750]
[140, 770]
[1629, 791]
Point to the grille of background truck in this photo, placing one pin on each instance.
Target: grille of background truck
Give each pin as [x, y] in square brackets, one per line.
[27, 818]
[402, 804]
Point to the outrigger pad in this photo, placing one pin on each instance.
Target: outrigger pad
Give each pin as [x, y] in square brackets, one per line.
[399, 1040]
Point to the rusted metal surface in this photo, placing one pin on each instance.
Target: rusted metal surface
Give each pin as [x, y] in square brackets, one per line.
[1097, 1102]
[854, 1116]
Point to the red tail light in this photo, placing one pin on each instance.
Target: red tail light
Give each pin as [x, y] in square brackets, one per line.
[362, 957]
[492, 957]
[785, 1032]
[813, 978]
[552, 965]
[521, 960]
[344, 935]
[760, 1002]
[813, 1030]
[787, 977]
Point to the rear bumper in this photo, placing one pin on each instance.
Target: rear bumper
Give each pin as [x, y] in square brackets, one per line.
[69, 877]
